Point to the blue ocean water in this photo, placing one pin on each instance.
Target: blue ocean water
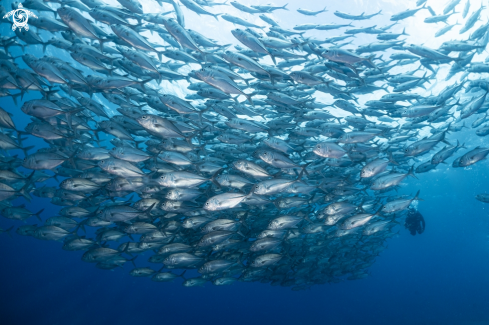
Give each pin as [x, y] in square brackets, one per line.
[439, 277]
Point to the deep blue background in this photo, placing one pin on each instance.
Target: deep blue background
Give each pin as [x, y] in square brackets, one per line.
[440, 277]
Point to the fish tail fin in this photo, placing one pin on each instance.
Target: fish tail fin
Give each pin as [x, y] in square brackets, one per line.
[24, 190]
[182, 275]
[416, 197]
[248, 97]
[271, 78]
[391, 159]
[303, 170]
[126, 246]
[144, 82]
[14, 97]
[370, 62]
[101, 43]
[111, 70]
[38, 214]
[159, 54]
[133, 259]
[273, 58]
[377, 213]
[411, 172]
[47, 93]
[69, 115]
[24, 90]
[138, 143]
[213, 178]
[424, 76]
[148, 210]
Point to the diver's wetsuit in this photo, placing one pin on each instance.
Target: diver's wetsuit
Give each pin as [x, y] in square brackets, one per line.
[415, 222]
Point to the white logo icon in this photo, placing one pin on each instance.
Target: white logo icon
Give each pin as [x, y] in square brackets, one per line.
[20, 17]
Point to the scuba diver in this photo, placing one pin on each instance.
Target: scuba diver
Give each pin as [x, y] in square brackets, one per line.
[414, 222]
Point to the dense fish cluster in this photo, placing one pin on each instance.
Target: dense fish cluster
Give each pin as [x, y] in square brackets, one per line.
[246, 175]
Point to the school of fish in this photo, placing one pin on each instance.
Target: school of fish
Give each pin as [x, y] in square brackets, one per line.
[246, 175]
